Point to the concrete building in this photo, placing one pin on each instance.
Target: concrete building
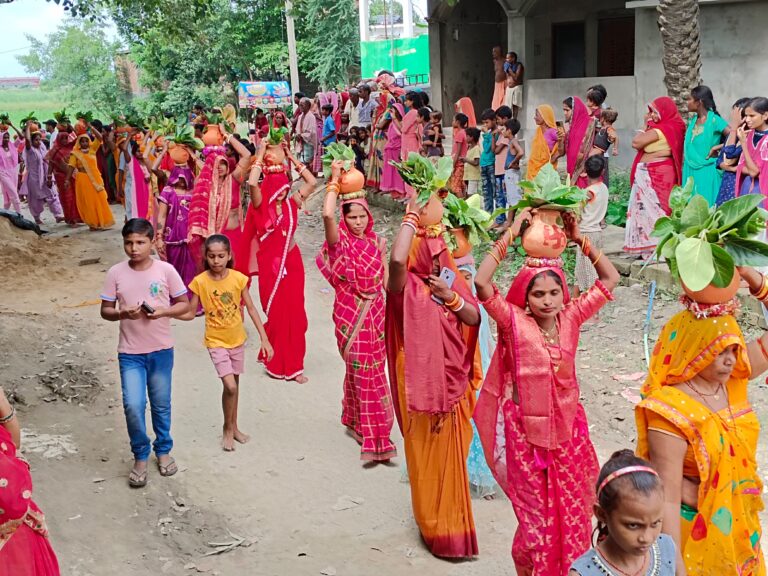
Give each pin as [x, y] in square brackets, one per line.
[569, 45]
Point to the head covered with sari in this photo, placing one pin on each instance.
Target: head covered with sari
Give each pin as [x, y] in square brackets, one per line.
[280, 114]
[438, 360]
[211, 198]
[465, 106]
[388, 83]
[181, 173]
[541, 155]
[672, 125]
[580, 137]
[721, 536]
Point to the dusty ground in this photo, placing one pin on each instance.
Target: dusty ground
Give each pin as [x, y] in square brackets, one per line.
[297, 494]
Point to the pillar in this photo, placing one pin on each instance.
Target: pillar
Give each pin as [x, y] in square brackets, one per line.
[407, 19]
[363, 13]
[436, 67]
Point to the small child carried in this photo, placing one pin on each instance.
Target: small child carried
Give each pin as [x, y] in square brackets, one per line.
[629, 511]
[220, 290]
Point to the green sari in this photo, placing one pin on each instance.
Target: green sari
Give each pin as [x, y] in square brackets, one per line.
[699, 140]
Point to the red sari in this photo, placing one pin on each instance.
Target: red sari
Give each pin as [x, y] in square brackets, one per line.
[538, 447]
[430, 357]
[58, 158]
[281, 273]
[355, 268]
[24, 546]
[581, 135]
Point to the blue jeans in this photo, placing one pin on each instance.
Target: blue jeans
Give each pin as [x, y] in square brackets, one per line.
[487, 177]
[141, 374]
[501, 198]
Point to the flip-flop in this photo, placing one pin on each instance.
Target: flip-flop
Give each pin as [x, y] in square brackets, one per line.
[137, 479]
[169, 469]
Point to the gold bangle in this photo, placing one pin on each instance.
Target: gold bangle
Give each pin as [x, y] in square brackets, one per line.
[598, 258]
[761, 292]
[453, 301]
[492, 255]
[456, 307]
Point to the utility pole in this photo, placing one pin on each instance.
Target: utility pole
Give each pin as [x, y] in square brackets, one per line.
[293, 59]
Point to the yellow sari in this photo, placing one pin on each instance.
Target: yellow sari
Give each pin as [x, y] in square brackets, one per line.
[541, 155]
[90, 195]
[723, 535]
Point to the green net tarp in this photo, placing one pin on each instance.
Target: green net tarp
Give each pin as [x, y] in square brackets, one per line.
[410, 54]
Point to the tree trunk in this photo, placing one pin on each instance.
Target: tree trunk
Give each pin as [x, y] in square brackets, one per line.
[680, 36]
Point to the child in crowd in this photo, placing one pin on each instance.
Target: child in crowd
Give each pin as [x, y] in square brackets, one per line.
[472, 176]
[591, 224]
[363, 140]
[515, 153]
[629, 511]
[605, 136]
[329, 126]
[423, 118]
[488, 159]
[730, 153]
[458, 151]
[143, 294]
[500, 147]
[220, 290]
[433, 136]
[354, 143]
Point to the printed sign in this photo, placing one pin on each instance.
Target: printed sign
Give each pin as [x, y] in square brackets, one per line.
[264, 94]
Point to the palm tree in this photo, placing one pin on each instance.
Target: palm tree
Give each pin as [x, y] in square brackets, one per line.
[680, 36]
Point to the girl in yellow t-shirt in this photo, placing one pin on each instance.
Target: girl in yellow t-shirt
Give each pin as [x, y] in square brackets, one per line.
[221, 290]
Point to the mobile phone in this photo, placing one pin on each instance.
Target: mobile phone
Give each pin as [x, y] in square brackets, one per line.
[559, 124]
[147, 308]
[448, 276]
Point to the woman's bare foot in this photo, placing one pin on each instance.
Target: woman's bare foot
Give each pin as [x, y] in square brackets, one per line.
[301, 379]
[241, 437]
[228, 441]
[489, 497]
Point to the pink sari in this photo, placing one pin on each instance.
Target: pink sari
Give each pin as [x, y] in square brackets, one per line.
[210, 206]
[580, 138]
[24, 546]
[355, 268]
[746, 184]
[537, 445]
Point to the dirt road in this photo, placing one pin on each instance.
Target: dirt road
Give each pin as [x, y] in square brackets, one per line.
[297, 495]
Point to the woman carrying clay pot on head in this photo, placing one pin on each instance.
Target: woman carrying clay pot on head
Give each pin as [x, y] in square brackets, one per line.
[543, 459]
[271, 223]
[697, 427]
[431, 337]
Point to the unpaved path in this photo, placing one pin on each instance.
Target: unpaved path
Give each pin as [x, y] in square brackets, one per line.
[280, 492]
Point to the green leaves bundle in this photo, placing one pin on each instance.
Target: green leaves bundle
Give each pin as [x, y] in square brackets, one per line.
[426, 178]
[276, 136]
[547, 191]
[337, 151]
[184, 135]
[468, 215]
[61, 117]
[703, 245]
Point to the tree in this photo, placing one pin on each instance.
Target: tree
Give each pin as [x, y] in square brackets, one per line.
[330, 30]
[78, 60]
[679, 26]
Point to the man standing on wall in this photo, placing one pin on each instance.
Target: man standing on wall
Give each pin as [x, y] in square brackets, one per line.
[514, 72]
[500, 78]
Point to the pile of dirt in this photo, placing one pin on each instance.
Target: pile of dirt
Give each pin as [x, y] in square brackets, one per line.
[70, 382]
[17, 243]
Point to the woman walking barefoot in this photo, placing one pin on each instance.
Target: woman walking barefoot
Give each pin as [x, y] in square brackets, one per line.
[90, 195]
[271, 220]
[542, 457]
[352, 260]
[431, 340]
[221, 290]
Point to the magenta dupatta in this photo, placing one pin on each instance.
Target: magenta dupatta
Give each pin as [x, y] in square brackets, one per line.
[759, 155]
[580, 138]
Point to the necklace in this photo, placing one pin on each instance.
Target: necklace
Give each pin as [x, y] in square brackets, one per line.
[715, 394]
[612, 570]
[551, 336]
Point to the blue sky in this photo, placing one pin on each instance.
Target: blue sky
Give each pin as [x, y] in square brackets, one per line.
[35, 17]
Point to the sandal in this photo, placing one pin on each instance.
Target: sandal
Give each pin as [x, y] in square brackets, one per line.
[137, 479]
[169, 469]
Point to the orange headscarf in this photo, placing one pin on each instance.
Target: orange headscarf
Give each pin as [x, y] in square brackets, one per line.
[540, 152]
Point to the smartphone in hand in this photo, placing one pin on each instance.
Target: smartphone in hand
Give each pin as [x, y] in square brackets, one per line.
[448, 276]
[147, 308]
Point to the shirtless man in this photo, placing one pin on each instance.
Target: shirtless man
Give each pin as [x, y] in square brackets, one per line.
[514, 72]
[500, 78]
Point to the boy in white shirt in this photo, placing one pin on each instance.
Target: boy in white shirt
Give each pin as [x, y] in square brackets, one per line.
[591, 225]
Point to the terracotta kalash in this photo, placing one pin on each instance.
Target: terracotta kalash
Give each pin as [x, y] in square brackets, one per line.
[545, 237]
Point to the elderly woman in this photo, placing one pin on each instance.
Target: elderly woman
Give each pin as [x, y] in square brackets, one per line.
[431, 341]
[697, 427]
[24, 546]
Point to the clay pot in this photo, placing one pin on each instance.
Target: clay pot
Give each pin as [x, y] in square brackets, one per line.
[432, 212]
[544, 238]
[351, 181]
[274, 155]
[3, 127]
[714, 295]
[464, 247]
[213, 136]
[34, 127]
[81, 127]
[179, 154]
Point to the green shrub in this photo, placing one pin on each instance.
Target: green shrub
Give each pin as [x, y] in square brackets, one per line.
[618, 199]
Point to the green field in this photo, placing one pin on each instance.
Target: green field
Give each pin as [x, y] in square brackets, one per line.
[18, 102]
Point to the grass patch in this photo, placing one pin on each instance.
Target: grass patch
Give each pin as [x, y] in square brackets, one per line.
[18, 102]
[618, 199]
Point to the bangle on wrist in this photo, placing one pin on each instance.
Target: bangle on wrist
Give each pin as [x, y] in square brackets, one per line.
[8, 416]
[453, 301]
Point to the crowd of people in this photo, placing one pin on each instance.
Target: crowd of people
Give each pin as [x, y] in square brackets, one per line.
[501, 411]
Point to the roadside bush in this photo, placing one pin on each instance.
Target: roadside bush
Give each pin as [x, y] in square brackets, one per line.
[618, 199]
